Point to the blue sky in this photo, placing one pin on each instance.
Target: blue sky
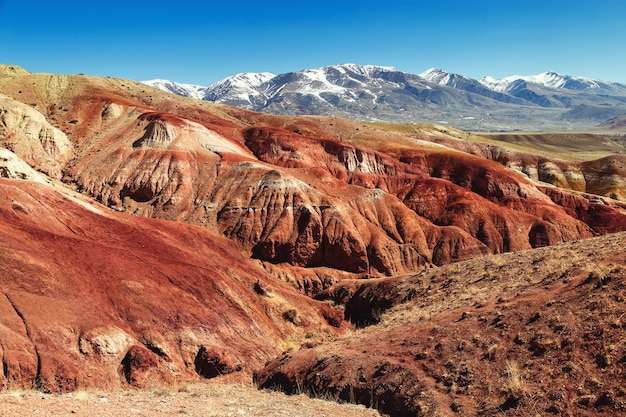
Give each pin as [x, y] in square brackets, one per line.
[201, 42]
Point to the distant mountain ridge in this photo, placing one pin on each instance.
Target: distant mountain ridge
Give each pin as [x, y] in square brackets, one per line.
[185, 90]
[381, 93]
[552, 79]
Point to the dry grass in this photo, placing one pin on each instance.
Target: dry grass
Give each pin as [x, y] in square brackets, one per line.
[514, 382]
[571, 146]
[206, 400]
[526, 333]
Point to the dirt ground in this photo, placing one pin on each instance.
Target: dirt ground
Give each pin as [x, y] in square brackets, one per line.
[206, 400]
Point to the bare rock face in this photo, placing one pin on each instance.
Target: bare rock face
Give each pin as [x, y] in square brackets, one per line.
[27, 133]
[309, 201]
[604, 177]
[179, 169]
[287, 194]
[607, 177]
[11, 166]
[452, 200]
[602, 215]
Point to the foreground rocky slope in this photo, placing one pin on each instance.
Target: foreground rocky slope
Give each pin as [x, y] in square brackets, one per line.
[519, 334]
[223, 202]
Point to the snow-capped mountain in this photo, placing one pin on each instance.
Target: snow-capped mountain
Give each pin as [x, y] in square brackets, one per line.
[186, 90]
[241, 90]
[369, 92]
[460, 82]
[441, 77]
[555, 80]
[260, 91]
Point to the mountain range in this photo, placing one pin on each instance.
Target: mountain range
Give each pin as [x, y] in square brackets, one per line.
[547, 101]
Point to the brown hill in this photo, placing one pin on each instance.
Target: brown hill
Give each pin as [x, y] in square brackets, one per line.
[531, 333]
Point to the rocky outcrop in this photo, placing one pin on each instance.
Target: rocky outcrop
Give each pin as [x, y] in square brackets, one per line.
[11, 166]
[275, 215]
[223, 203]
[491, 222]
[604, 177]
[27, 133]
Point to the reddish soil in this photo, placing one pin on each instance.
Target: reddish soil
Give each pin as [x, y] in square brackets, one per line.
[326, 194]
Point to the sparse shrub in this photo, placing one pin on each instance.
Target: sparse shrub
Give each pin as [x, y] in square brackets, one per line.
[586, 399]
[594, 382]
[514, 386]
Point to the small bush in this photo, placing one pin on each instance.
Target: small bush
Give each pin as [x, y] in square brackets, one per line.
[514, 386]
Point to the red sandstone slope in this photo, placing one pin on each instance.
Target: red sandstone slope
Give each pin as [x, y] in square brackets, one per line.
[91, 297]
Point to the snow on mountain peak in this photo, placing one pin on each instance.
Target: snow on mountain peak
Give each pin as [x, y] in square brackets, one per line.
[243, 86]
[245, 80]
[371, 91]
[317, 82]
[433, 72]
[334, 79]
[442, 77]
[362, 69]
[181, 89]
[436, 75]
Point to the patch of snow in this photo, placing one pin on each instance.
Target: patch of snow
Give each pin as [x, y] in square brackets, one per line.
[244, 86]
[366, 70]
[318, 83]
[435, 75]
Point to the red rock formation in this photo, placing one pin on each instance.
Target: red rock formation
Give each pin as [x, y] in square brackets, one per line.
[91, 297]
[512, 333]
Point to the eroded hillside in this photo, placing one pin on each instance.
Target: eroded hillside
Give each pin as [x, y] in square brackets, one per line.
[171, 239]
[313, 193]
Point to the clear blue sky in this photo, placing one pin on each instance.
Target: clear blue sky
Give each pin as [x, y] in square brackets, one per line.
[201, 42]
